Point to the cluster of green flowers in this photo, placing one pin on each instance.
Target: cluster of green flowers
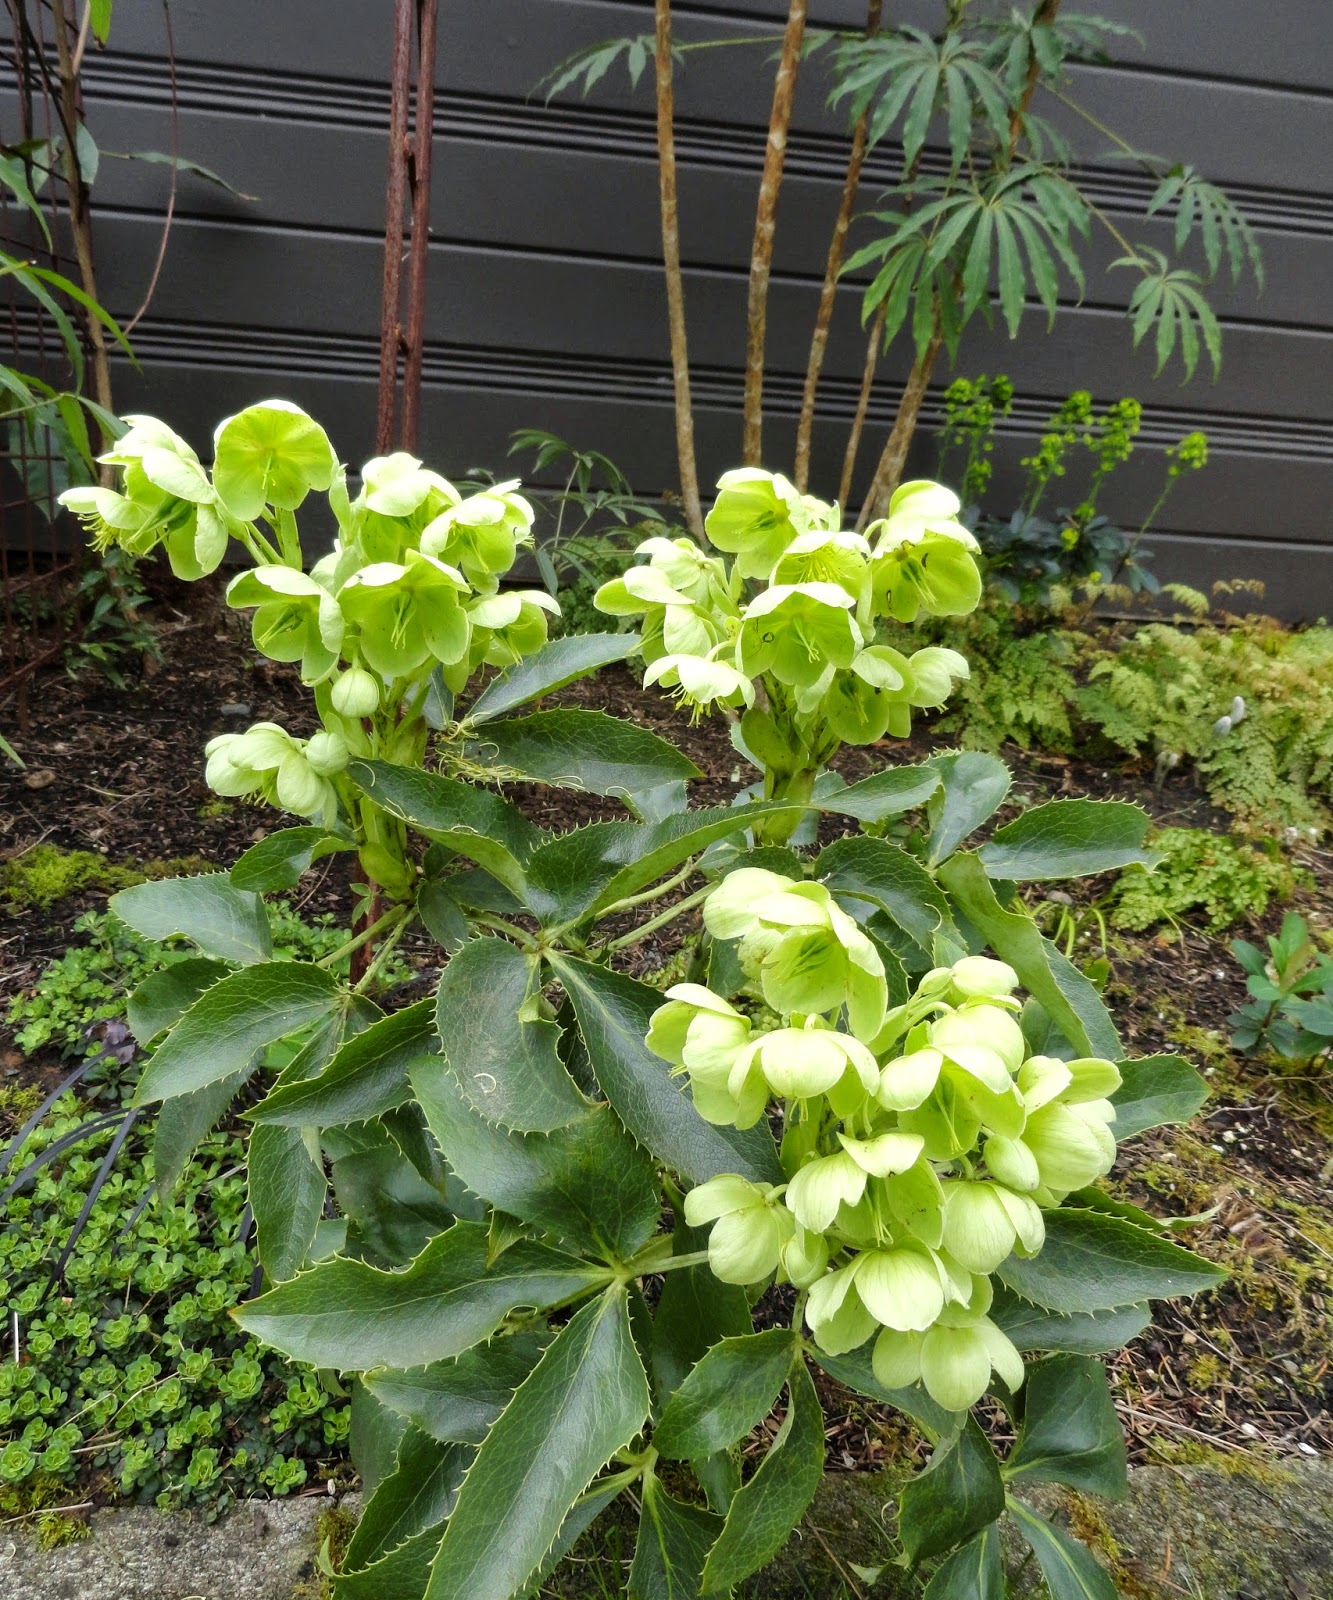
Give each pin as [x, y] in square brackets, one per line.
[920, 1143]
[411, 585]
[788, 631]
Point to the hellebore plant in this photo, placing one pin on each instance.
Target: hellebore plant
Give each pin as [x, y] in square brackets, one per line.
[800, 637]
[534, 1219]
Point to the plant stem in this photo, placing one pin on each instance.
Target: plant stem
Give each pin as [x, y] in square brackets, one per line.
[630, 901]
[382, 954]
[862, 406]
[675, 283]
[696, 1259]
[360, 938]
[486, 919]
[889, 472]
[765, 224]
[659, 921]
[829, 292]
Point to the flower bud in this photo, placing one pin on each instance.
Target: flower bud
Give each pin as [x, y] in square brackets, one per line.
[355, 693]
[805, 1258]
[326, 751]
[749, 1229]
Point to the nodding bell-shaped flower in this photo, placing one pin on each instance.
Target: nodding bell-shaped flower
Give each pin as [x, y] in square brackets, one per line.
[267, 760]
[935, 674]
[985, 1222]
[399, 499]
[824, 1185]
[755, 517]
[506, 627]
[698, 577]
[481, 535]
[407, 614]
[804, 1258]
[873, 697]
[825, 556]
[701, 681]
[899, 1287]
[271, 454]
[703, 1035]
[295, 618]
[923, 556]
[807, 954]
[750, 1226]
[1067, 1135]
[954, 1358]
[797, 631]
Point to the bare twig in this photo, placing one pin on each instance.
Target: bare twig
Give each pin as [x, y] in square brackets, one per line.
[862, 406]
[175, 165]
[765, 224]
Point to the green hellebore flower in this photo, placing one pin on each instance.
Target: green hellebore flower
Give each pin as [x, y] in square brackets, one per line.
[399, 498]
[481, 534]
[982, 978]
[407, 614]
[356, 693]
[923, 556]
[1072, 1145]
[804, 1258]
[953, 1361]
[266, 760]
[984, 1222]
[511, 625]
[703, 1035]
[701, 578]
[728, 910]
[270, 454]
[826, 556]
[935, 674]
[295, 619]
[701, 681]
[819, 1190]
[750, 1226]
[900, 1288]
[755, 517]
[796, 631]
[872, 698]
[835, 1313]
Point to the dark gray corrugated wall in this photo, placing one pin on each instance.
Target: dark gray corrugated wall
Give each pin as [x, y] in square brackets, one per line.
[546, 300]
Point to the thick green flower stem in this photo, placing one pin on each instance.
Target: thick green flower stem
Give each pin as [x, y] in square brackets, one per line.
[394, 915]
[794, 786]
[661, 920]
[385, 950]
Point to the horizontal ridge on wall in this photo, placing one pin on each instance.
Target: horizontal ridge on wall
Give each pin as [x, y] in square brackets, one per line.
[570, 376]
[146, 81]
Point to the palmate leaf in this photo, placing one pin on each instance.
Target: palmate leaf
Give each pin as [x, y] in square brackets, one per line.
[1221, 224]
[1172, 299]
[588, 66]
[1021, 42]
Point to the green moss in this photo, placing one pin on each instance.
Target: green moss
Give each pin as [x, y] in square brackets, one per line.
[1248, 1465]
[54, 1530]
[334, 1530]
[44, 875]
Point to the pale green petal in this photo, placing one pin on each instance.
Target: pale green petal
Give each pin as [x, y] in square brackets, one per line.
[978, 1231]
[1012, 1162]
[821, 1186]
[897, 1359]
[907, 1081]
[955, 1367]
[888, 1152]
[718, 1196]
[900, 1289]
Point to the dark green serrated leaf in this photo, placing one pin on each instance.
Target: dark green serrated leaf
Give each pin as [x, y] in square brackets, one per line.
[1070, 1432]
[886, 794]
[586, 1398]
[972, 786]
[280, 860]
[286, 1191]
[459, 1399]
[392, 1211]
[1071, 1572]
[729, 1392]
[960, 1493]
[1093, 1262]
[613, 1014]
[416, 1496]
[766, 1509]
[402, 1573]
[587, 1182]
[183, 1121]
[558, 662]
[442, 916]
[586, 750]
[367, 1077]
[164, 997]
[458, 816]
[373, 1437]
[1154, 1091]
[883, 874]
[1084, 1333]
[976, 1572]
[349, 1316]
[209, 910]
[1070, 999]
[1069, 839]
[237, 1016]
[503, 1054]
[671, 1548]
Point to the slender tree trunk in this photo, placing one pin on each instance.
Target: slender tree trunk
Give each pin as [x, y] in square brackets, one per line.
[761, 254]
[862, 406]
[889, 472]
[828, 294]
[675, 283]
[1046, 13]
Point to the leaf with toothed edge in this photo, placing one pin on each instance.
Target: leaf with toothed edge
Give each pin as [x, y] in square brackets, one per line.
[973, 785]
[586, 750]
[557, 663]
[1085, 1333]
[224, 921]
[1071, 1571]
[460, 1398]
[1155, 1090]
[1069, 839]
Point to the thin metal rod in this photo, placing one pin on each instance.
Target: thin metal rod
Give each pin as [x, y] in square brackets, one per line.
[423, 138]
[395, 193]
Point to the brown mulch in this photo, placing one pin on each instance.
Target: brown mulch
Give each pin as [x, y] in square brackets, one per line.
[122, 773]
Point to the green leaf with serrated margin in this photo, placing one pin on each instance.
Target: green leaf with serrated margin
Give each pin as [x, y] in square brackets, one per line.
[459, 816]
[883, 795]
[286, 1189]
[164, 997]
[442, 916]
[417, 1495]
[349, 1316]
[613, 1014]
[972, 787]
[1155, 1090]
[960, 1493]
[767, 1508]
[1084, 1333]
[502, 1053]
[230, 1021]
[1071, 1571]
[1072, 1001]
[586, 1398]
[729, 1392]
[587, 1182]
[1070, 1432]
[186, 1119]
[855, 1370]
[586, 750]
[558, 662]
[1069, 839]
[671, 1548]
[367, 1076]
[280, 860]
[976, 1572]
[209, 910]
[1092, 1262]
[459, 1399]
[883, 874]
[391, 1210]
